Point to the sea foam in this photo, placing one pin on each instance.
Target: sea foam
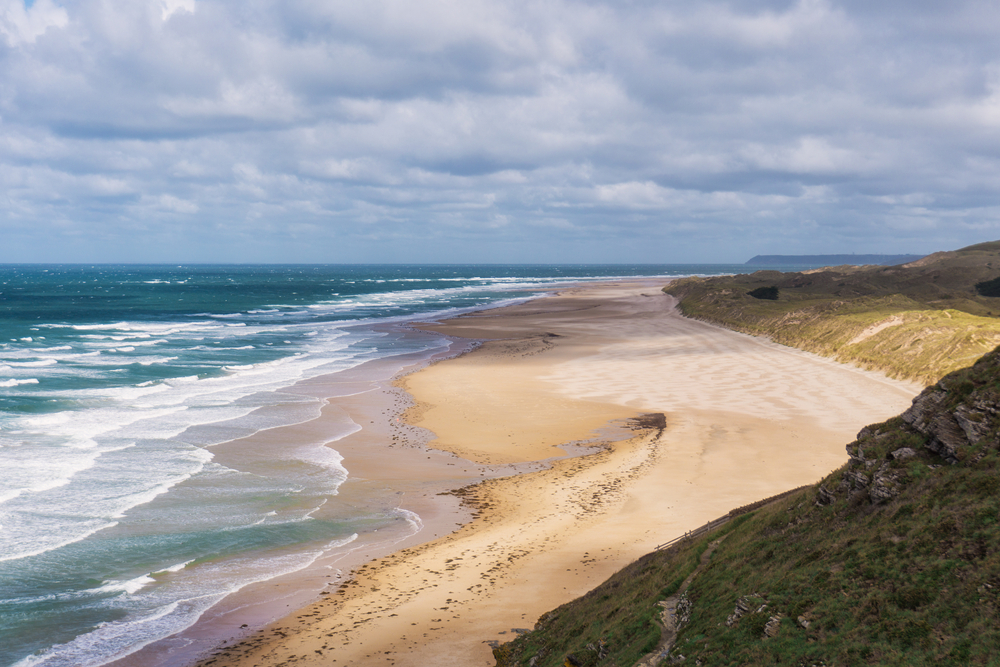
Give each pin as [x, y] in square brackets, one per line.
[111, 429]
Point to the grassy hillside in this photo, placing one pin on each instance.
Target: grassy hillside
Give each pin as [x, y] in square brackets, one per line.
[917, 321]
[892, 560]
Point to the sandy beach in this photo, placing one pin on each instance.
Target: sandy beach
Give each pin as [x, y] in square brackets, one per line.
[561, 380]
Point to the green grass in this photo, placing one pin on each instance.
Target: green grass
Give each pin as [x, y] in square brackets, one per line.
[883, 586]
[615, 620]
[916, 582]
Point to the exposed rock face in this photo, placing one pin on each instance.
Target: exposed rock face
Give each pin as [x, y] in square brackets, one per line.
[857, 479]
[682, 613]
[880, 479]
[824, 496]
[925, 408]
[947, 423]
[944, 435]
[748, 604]
[902, 454]
[772, 627]
[885, 485]
[975, 419]
[951, 430]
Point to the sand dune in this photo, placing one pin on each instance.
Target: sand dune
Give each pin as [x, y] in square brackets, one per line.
[744, 419]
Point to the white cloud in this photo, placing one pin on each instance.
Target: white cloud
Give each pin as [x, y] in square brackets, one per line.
[524, 125]
[170, 7]
[261, 99]
[172, 203]
[104, 186]
[802, 22]
[636, 195]
[20, 24]
[807, 155]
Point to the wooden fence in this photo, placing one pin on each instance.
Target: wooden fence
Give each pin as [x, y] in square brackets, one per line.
[715, 523]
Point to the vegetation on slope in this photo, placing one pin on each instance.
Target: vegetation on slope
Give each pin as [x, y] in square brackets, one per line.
[917, 321]
[893, 559]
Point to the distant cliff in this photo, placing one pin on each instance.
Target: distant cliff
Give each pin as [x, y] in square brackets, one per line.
[831, 260]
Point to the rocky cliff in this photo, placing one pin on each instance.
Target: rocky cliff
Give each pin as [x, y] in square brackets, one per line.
[955, 419]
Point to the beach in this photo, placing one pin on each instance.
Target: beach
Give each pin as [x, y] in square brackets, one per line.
[557, 412]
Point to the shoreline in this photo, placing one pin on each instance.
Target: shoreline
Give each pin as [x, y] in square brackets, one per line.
[418, 478]
[562, 369]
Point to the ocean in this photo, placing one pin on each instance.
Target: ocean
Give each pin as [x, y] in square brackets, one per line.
[118, 525]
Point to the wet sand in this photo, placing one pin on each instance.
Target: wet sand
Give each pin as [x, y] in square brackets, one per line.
[389, 465]
[744, 419]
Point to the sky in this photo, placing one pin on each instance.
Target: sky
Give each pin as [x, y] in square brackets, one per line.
[430, 131]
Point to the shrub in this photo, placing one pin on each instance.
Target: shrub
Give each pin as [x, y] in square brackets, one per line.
[989, 287]
[771, 293]
[912, 597]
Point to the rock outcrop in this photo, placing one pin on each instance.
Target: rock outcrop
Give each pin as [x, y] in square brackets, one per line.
[929, 416]
[950, 422]
[773, 626]
[747, 604]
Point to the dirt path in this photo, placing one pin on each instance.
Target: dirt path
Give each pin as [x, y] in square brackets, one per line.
[671, 618]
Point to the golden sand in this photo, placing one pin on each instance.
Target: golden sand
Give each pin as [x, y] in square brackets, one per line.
[745, 419]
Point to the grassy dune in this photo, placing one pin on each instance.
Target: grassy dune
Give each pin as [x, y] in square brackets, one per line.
[917, 322]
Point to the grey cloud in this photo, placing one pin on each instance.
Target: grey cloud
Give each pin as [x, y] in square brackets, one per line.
[439, 130]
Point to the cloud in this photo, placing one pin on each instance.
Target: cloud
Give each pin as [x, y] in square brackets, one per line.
[20, 24]
[497, 130]
[171, 203]
[170, 7]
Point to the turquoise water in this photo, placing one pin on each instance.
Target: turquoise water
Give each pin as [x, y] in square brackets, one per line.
[117, 526]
